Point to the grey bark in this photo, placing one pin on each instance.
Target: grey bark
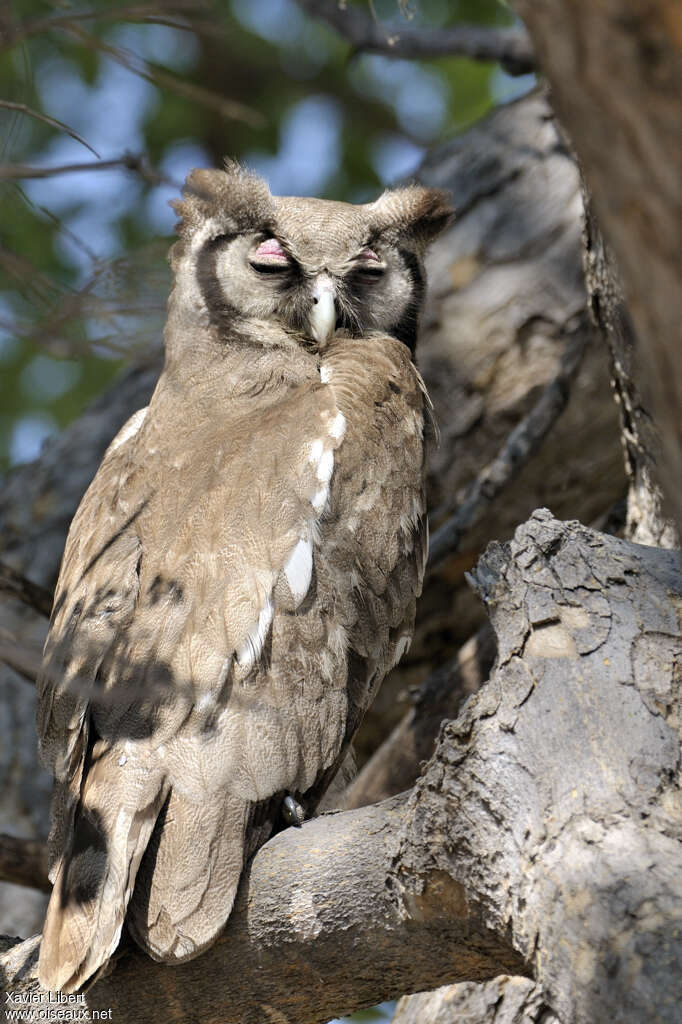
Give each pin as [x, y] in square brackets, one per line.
[616, 75]
[317, 931]
[546, 829]
[648, 518]
[558, 787]
[505, 1001]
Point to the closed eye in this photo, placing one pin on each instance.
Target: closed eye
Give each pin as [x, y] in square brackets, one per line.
[369, 263]
[270, 258]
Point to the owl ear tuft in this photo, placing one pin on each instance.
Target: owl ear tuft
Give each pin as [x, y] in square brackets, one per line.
[414, 212]
[235, 198]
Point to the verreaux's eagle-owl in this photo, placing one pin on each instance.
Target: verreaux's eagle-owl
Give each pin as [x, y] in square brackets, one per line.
[242, 571]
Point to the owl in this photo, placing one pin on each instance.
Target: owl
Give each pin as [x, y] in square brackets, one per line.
[242, 572]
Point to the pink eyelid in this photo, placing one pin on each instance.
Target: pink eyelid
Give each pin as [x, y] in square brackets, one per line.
[369, 255]
[271, 248]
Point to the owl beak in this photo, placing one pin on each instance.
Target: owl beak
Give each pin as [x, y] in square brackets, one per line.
[323, 312]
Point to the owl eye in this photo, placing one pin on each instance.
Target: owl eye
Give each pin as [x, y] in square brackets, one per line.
[270, 257]
[367, 262]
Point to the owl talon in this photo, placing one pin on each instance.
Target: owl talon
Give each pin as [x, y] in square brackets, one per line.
[292, 812]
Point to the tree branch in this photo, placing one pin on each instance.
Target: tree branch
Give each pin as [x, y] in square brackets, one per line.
[129, 162]
[24, 862]
[502, 1001]
[522, 443]
[314, 906]
[23, 658]
[31, 594]
[510, 46]
[13, 33]
[21, 108]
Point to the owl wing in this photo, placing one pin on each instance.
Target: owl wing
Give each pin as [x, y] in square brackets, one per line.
[378, 508]
[169, 585]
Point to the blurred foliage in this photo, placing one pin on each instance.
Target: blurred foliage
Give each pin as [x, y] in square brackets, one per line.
[83, 278]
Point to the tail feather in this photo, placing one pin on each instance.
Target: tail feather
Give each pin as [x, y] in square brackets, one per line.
[114, 819]
[189, 875]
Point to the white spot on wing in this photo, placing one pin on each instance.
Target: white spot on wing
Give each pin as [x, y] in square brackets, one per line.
[316, 449]
[319, 499]
[401, 648]
[338, 427]
[129, 429]
[298, 569]
[325, 374]
[255, 638]
[205, 702]
[325, 467]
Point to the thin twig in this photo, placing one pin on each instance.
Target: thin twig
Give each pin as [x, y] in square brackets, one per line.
[24, 862]
[146, 13]
[521, 444]
[21, 108]
[227, 108]
[129, 162]
[510, 46]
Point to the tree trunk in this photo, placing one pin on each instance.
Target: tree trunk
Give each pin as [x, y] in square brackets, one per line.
[616, 75]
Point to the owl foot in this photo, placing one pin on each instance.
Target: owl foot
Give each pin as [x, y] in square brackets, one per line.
[292, 812]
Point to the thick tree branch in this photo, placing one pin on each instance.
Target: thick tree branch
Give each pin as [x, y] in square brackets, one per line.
[523, 442]
[315, 907]
[502, 1001]
[554, 797]
[24, 862]
[31, 594]
[510, 46]
[647, 520]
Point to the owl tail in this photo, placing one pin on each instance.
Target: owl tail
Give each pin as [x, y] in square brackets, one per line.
[189, 875]
[113, 822]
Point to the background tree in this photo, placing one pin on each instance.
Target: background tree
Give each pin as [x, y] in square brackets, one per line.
[442, 884]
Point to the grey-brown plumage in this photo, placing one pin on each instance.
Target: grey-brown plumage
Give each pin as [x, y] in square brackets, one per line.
[242, 571]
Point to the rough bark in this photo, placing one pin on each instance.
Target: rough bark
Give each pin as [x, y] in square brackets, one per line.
[505, 1001]
[616, 73]
[316, 932]
[558, 788]
[647, 521]
[546, 828]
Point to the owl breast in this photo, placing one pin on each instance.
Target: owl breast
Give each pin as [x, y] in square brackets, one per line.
[328, 602]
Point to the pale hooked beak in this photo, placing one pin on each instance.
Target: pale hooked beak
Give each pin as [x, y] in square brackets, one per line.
[323, 312]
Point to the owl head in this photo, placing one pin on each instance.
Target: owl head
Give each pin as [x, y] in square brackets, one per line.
[301, 269]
